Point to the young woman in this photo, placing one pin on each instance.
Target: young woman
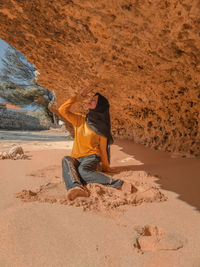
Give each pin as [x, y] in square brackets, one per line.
[91, 146]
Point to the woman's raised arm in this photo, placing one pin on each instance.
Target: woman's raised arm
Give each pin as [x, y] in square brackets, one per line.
[64, 110]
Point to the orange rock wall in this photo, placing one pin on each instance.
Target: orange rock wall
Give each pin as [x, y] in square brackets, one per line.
[143, 55]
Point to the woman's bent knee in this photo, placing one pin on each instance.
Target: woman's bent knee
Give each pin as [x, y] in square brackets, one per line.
[83, 171]
[66, 158]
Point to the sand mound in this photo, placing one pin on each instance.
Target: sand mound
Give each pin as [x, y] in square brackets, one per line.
[101, 198]
[154, 238]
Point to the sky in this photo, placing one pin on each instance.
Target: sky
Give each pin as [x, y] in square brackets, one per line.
[3, 46]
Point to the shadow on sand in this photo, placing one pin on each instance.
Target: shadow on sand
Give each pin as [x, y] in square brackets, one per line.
[180, 175]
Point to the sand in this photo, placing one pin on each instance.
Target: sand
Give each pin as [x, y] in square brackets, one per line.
[158, 225]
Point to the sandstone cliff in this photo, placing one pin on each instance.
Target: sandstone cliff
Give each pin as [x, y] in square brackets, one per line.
[143, 55]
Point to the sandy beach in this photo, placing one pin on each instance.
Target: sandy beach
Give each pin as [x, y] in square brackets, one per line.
[157, 226]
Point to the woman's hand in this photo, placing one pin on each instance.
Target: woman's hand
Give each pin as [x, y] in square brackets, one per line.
[85, 92]
[110, 170]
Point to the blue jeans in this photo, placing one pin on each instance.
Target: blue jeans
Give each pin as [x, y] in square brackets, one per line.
[82, 171]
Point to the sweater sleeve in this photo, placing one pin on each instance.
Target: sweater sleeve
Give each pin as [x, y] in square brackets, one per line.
[64, 110]
[104, 156]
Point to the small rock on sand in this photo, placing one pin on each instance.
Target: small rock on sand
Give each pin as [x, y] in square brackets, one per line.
[15, 150]
[4, 155]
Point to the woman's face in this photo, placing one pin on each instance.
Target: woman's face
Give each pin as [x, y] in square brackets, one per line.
[93, 102]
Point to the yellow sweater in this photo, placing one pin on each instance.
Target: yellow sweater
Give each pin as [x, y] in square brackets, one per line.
[86, 141]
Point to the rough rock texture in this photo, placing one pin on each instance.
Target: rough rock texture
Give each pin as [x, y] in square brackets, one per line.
[16, 152]
[11, 120]
[143, 55]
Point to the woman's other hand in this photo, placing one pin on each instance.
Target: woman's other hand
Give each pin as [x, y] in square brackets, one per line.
[110, 170]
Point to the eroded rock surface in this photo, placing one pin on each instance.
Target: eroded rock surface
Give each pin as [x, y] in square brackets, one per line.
[143, 55]
[16, 152]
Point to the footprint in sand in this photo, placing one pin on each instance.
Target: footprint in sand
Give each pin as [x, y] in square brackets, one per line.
[153, 238]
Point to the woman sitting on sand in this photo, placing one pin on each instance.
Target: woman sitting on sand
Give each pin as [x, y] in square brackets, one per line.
[91, 146]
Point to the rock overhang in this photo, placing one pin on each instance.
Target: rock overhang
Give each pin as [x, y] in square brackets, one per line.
[144, 56]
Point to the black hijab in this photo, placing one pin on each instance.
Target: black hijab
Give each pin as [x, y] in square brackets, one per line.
[98, 120]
